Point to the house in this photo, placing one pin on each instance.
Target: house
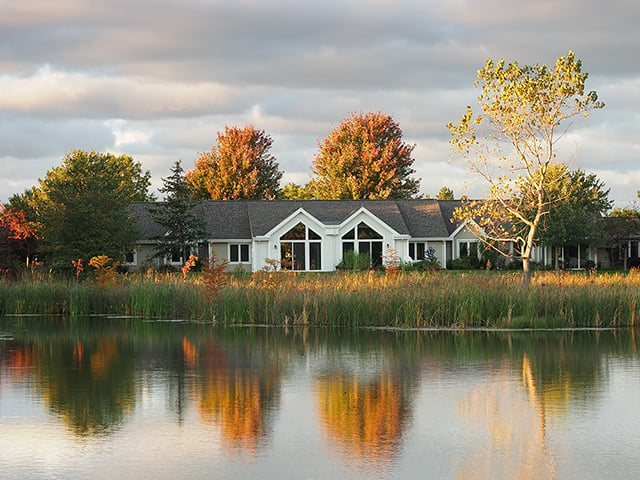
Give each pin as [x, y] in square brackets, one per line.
[313, 235]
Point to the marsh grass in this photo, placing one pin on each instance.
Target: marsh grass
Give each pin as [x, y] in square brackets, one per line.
[405, 299]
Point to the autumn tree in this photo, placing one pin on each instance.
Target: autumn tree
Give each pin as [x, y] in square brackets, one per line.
[364, 158]
[445, 193]
[183, 229]
[21, 233]
[513, 138]
[238, 167]
[81, 208]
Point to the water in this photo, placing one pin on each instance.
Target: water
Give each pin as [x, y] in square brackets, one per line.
[128, 398]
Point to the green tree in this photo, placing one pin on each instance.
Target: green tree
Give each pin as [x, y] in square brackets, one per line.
[364, 158]
[81, 207]
[292, 191]
[184, 229]
[577, 202]
[445, 193]
[622, 225]
[513, 139]
[238, 167]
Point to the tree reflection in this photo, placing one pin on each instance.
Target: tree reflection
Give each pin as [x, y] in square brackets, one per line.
[89, 384]
[238, 392]
[366, 417]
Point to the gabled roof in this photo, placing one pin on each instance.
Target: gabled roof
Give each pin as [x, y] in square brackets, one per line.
[246, 219]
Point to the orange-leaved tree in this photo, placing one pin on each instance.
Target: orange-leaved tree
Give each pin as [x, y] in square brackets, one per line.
[364, 158]
[238, 167]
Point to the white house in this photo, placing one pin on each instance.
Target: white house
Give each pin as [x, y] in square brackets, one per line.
[313, 235]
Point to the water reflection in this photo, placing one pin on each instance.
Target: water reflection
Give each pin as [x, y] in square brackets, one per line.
[299, 396]
[237, 391]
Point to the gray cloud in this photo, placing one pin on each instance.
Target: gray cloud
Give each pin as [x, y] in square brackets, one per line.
[157, 79]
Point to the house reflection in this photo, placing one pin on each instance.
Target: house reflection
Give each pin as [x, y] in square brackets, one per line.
[365, 418]
[237, 393]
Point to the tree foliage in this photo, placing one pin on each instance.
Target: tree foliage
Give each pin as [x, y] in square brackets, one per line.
[292, 191]
[238, 167]
[577, 202]
[80, 209]
[622, 225]
[364, 158]
[513, 139]
[20, 234]
[183, 228]
[445, 193]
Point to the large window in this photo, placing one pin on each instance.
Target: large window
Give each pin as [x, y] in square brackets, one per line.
[362, 239]
[301, 249]
[239, 253]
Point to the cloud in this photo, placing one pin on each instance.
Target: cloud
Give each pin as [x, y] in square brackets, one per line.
[157, 79]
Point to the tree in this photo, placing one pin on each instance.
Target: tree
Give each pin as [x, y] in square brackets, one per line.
[577, 202]
[292, 191]
[21, 234]
[81, 207]
[364, 158]
[445, 193]
[238, 167]
[514, 138]
[622, 225]
[183, 228]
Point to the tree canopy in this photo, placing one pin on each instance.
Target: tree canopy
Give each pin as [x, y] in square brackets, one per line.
[238, 167]
[577, 202]
[183, 228]
[511, 145]
[81, 208]
[364, 158]
[445, 193]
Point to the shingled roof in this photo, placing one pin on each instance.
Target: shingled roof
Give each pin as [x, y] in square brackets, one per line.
[246, 219]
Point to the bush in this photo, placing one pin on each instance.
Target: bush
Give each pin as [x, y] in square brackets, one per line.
[355, 262]
[465, 263]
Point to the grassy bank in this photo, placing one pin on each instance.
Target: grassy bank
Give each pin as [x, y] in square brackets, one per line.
[407, 299]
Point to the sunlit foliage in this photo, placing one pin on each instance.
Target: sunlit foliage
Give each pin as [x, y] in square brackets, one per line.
[364, 158]
[239, 166]
[514, 138]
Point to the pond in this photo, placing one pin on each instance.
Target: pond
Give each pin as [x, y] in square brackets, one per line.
[128, 398]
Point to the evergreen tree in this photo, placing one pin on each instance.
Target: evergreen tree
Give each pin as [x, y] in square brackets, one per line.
[184, 229]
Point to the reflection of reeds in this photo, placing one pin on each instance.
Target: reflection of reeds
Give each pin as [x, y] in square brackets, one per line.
[411, 299]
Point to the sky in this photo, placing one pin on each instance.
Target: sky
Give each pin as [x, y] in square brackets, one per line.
[157, 79]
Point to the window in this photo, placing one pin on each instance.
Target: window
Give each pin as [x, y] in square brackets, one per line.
[239, 253]
[131, 258]
[468, 248]
[176, 256]
[301, 249]
[362, 239]
[417, 250]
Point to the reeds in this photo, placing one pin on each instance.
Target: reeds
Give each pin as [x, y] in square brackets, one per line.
[404, 299]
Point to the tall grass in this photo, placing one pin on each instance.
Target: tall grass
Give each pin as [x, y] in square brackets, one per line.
[404, 299]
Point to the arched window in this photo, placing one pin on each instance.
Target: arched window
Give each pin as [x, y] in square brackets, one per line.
[363, 239]
[301, 249]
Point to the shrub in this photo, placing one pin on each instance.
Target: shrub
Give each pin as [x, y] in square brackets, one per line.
[355, 262]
